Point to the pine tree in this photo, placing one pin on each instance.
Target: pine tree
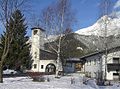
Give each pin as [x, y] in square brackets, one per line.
[19, 53]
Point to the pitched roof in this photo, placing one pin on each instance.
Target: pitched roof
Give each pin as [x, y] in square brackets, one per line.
[47, 55]
[101, 51]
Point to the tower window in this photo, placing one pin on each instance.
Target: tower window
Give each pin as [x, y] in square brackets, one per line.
[94, 61]
[35, 66]
[35, 32]
[35, 54]
[42, 66]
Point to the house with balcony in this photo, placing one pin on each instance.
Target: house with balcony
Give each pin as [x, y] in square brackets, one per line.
[102, 66]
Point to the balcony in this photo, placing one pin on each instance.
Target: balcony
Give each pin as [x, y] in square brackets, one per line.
[113, 67]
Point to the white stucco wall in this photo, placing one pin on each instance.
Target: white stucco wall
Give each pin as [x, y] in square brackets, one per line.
[38, 39]
[37, 43]
[110, 57]
[92, 65]
[45, 63]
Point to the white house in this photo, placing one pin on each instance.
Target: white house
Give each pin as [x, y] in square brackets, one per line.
[96, 66]
[43, 61]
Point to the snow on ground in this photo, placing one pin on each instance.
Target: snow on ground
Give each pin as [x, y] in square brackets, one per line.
[62, 83]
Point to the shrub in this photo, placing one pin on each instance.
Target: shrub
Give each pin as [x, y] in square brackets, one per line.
[39, 79]
[37, 76]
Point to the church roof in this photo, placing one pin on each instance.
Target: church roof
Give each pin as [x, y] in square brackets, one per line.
[47, 55]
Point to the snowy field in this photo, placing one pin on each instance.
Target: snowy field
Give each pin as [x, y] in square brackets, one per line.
[62, 83]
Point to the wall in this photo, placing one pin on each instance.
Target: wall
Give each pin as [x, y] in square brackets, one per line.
[44, 63]
[37, 43]
[110, 56]
[69, 68]
[92, 65]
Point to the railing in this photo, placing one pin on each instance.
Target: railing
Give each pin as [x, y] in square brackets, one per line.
[113, 67]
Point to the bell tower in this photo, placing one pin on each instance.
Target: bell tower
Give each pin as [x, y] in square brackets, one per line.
[37, 43]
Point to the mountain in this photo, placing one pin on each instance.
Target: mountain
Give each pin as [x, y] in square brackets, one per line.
[70, 46]
[98, 28]
[97, 43]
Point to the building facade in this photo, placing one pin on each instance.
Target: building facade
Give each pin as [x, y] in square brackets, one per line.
[99, 65]
[42, 60]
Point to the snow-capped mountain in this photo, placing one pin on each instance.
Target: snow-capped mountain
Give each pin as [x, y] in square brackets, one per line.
[105, 25]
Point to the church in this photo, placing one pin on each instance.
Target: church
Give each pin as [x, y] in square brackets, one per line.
[42, 60]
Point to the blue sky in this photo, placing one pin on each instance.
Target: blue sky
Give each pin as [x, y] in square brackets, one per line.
[87, 11]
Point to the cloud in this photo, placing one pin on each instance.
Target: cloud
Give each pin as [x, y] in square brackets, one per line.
[117, 4]
[116, 9]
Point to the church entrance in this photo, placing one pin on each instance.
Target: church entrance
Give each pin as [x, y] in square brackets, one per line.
[50, 68]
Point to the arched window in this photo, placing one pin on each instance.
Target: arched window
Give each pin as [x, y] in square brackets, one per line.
[35, 32]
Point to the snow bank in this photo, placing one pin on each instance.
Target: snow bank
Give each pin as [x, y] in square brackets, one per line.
[27, 83]
[54, 83]
[92, 83]
[9, 71]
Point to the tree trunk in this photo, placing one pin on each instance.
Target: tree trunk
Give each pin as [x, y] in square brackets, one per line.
[1, 72]
[1, 66]
[58, 65]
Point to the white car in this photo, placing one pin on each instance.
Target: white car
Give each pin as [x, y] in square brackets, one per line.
[9, 71]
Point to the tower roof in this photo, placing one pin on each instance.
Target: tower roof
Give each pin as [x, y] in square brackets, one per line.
[37, 28]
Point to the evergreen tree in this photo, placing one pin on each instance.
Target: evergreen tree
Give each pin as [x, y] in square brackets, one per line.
[19, 53]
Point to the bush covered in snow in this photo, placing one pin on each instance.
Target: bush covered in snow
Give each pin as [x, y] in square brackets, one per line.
[39, 79]
[9, 71]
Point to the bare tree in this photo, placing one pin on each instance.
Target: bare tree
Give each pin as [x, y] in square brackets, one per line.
[7, 7]
[56, 18]
[105, 9]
